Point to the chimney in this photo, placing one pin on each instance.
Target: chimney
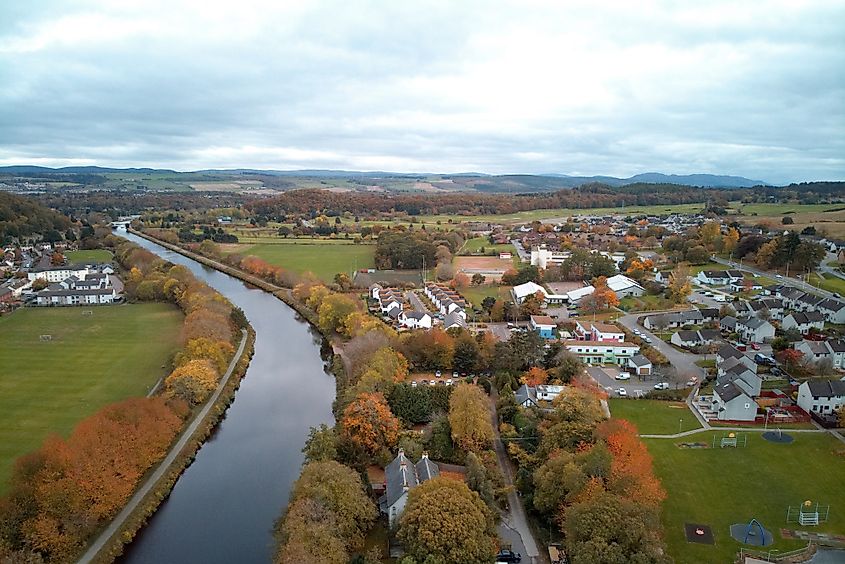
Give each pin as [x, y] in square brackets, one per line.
[424, 455]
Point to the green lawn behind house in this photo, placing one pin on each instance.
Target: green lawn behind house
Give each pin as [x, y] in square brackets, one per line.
[719, 487]
[654, 417]
[324, 259]
[92, 360]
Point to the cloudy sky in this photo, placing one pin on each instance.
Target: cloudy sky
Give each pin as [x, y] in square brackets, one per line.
[742, 87]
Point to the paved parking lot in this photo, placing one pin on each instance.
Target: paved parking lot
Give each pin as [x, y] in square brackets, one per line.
[606, 378]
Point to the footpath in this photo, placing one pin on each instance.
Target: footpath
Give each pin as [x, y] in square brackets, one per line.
[117, 523]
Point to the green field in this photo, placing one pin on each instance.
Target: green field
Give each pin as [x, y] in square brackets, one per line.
[323, 259]
[92, 360]
[92, 255]
[654, 417]
[474, 246]
[827, 282]
[720, 487]
[475, 294]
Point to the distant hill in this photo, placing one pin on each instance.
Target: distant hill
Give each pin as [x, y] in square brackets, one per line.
[165, 179]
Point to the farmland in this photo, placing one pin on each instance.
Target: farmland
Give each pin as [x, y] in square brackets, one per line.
[92, 360]
[720, 487]
[322, 257]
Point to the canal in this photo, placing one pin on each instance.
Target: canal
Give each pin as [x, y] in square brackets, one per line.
[223, 507]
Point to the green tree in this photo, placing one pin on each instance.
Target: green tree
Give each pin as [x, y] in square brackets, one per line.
[321, 444]
[466, 353]
[445, 519]
[556, 480]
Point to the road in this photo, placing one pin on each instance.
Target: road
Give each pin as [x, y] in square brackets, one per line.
[165, 464]
[524, 255]
[829, 270]
[417, 303]
[514, 526]
[785, 280]
[684, 363]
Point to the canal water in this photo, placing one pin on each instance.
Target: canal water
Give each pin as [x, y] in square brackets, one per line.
[223, 507]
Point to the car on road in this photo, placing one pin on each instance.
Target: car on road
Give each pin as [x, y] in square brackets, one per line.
[637, 332]
[720, 298]
[413, 383]
[755, 346]
[508, 556]
[622, 392]
[647, 339]
[661, 386]
[623, 376]
[778, 276]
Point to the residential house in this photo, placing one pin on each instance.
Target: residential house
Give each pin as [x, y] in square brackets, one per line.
[415, 319]
[58, 273]
[728, 324]
[526, 396]
[814, 350]
[823, 397]
[596, 331]
[640, 365]
[731, 403]
[544, 325]
[691, 339]
[837, 349]
[833, 310]
[674, 320]
[455, 319]
[713, 277]
[744, 377]
[602, 352]
[755, 330]
[804, 322]
[727, 352]
[400, 477]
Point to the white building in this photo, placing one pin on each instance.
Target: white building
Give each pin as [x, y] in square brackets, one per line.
[522, 291]
[823, 397]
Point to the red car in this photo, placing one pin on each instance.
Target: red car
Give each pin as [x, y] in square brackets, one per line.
[755, 346]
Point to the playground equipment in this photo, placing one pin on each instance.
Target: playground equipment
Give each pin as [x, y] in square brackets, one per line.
[46, 337]
[807, 514]
[731, 440]
[752, 533]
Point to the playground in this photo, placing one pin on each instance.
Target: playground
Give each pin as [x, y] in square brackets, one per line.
[730, 481]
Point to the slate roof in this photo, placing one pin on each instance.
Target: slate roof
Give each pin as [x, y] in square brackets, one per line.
[826, 388]
[729, 392]
[399, 476]
[639, 360]
[526, 394]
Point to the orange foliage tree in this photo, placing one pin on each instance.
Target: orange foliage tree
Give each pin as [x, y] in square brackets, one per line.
[535, 376]
[193, 381]
[368, 423]
[631, 472]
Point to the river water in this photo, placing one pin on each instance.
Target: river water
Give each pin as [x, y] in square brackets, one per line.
[223, 507]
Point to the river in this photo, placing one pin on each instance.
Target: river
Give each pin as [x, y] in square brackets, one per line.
[223, 507]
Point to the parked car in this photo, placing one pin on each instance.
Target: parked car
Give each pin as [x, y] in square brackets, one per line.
[413, 383]
[661, 386]
[438, 374]
[448, 381]
[454, 374]
[647, 340]
[740, 347]
[433, 382]
[775, 371]
[720, 298]
[573, 314]
[755, 346]
[637, 332]
[424, 382]
[508, 556]
[622, 392]
[623, 376]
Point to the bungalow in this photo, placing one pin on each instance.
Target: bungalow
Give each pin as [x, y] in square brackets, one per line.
[673, 320]
[755, 330]
[401, 476]
[416, 319]
[731, 403]
[744, 284]
[709, 314]
[544, 325]
[803, 321]
[623, 286]
[712, 277]
[522, 291]
[690, 339]
[640, 365]
[823, 397]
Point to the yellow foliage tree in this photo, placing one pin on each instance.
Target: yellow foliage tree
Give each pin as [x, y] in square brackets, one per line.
[469, 417]
[192, 382]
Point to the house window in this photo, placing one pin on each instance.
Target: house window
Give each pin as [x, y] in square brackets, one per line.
[747, 405]
[815, 407]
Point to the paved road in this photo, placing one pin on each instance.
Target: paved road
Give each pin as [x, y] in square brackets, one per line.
[148, 485]
[524, 255]
[417, 303]
[684, 363]
[788, 281]
[514, 521]
[829, 270]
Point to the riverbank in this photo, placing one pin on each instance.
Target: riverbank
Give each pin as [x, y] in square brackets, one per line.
[109, 545]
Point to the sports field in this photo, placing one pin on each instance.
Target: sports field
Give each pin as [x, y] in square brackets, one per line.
[91, 255]
[92, 360]
[654, 417]
[719, 487]
[324, 259]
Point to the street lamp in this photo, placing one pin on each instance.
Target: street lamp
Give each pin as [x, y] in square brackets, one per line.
[680, 425]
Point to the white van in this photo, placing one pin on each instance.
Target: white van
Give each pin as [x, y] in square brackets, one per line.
[720, 298]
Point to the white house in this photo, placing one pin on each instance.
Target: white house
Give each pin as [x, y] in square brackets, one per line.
[823, 397]
[833, 310]
[755, 330]
[713, 277]
[746, 378]
[59, 273]
[602, 352]
[400, 477]
[803, 321]
[814, 350]
[415, 319]
[623, 286]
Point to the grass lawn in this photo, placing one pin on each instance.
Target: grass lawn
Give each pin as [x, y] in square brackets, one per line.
[49, 386]
[654, 417]
[694, 270]
[720, 487]
[475, 294]
[91, 255]
[321, 258]
[475, 245]
[827, 282]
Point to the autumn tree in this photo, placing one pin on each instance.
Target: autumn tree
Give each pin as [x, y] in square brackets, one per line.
[368, 423]
[192, 382]
[460, 281]
[602, 297]
[217, 352]
[469, 418]
[321, 444]
[444, 520]
[679, 288]
[556, 480]
[333, 311]
[631, 473]
[534, 377]
[477, 279]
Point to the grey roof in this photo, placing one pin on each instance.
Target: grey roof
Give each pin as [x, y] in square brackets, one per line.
[710, 312]
[837, 346]
[826, 388]
[399, 476]
[709, 334]
[415, 314]
[728, 321]
[526, 394]
[727, 351]
[394, 312]
[76, 292]
[426, 469]
[816, 347]
[738, 369]
[729, 391]
[831, 305]
[755, 323]
[640, 360]
[454, 319]
[803, 318]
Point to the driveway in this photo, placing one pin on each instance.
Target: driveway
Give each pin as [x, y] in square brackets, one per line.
[606, 378]
[684, 363]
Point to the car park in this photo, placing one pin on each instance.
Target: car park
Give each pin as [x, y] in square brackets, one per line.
[661, 386]
[623, 376]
